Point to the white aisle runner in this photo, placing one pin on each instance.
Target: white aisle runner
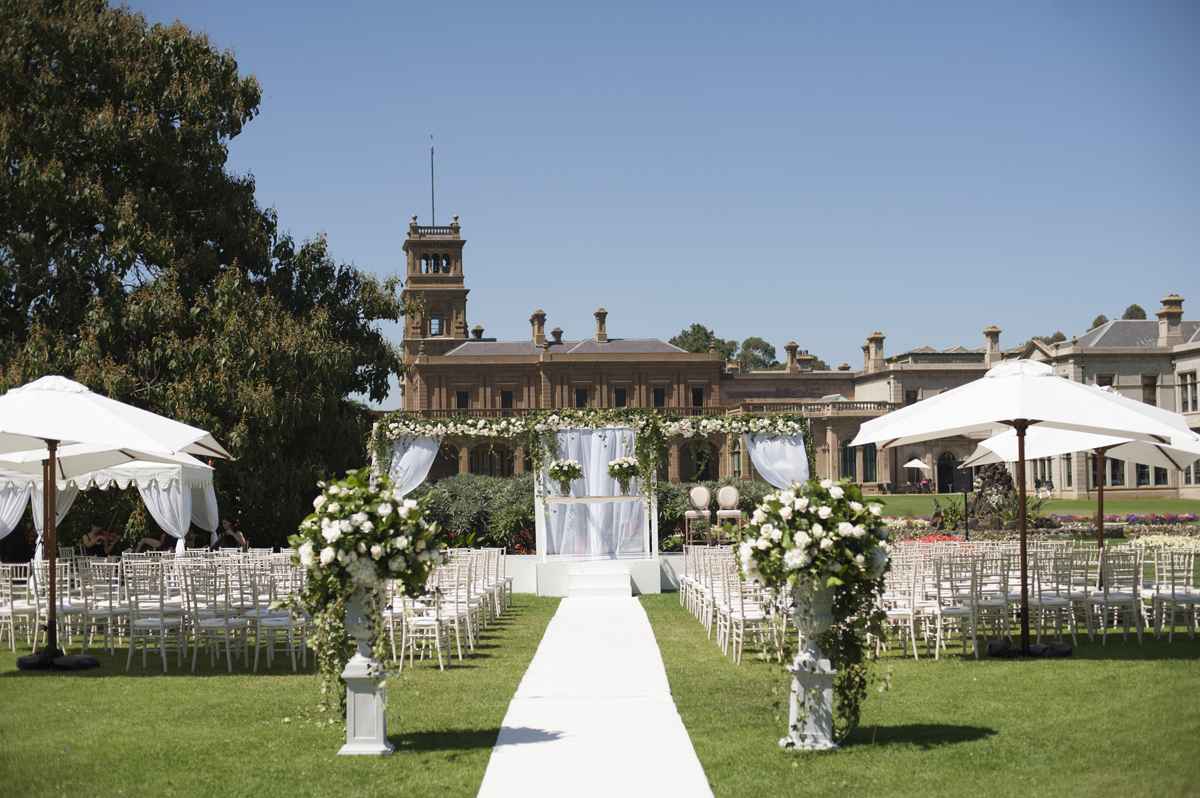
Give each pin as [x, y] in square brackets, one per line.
[593, 715]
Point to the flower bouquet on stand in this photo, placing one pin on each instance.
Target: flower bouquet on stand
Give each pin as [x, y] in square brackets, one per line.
[360, 535]
[563, 472]
[824, 546]
[624, 470]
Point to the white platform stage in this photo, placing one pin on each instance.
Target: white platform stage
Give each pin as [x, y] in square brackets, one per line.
[564, 577]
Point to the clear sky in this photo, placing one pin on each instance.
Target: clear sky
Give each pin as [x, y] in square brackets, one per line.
[791, 170]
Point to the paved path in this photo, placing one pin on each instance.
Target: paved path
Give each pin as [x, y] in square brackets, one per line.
[593, 715]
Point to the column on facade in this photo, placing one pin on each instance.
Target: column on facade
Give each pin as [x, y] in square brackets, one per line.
[519, 460]
[831, 443]
[464, 459]
[673, 460]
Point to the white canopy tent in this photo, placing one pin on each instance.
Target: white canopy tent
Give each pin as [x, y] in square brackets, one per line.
[917, 462]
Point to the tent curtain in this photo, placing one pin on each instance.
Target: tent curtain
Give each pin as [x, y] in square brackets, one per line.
[411, 460]
[63, 501]
[171, 508]
[780, 460]
[204, 510]
[607, 529]
[13, 498]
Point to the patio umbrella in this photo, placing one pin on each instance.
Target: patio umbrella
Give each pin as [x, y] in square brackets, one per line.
[54, 410]
[1048, 442]
[77, 459]
[1016, 394]
[917, 462]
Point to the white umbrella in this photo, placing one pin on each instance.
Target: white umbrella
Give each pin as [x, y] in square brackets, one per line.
[917, 462]
[77, 459]
[1017, 394]
[54, 410]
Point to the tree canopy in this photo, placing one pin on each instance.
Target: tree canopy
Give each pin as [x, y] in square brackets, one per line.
[1134, 311]
[756, 354]
[698, 338]
[1098, 321]
[132, 260]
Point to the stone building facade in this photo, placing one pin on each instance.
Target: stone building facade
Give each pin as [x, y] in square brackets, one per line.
[453, 369]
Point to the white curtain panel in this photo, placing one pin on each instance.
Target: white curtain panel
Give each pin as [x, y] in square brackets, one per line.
[593, 449]
[601, 530]
[170, 505]
[780, 460]
[13, 498]
[205, 513]
[411, 460]
[63, 501]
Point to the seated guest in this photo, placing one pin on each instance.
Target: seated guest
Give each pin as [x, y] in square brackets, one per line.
[98, 542]
[231, 535]
[154, 544]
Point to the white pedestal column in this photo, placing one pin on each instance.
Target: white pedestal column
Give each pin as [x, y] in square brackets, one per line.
[366, 699]
[810, 706]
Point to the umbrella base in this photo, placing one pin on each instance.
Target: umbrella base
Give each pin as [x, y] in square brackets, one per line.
[55, 661]
[1003, 649]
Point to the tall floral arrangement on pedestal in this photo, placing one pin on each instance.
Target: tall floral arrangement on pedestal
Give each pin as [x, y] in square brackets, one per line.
[816, 539]
[359, 535]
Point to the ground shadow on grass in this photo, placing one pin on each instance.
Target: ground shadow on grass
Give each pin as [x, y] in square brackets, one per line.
[468, 739]
[922, 735]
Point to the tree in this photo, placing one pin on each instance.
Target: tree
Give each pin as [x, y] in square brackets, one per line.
[1098, 321]
[757, 354]
[1134, 312]
[133, 261]
[1057, 337]
[698, 338]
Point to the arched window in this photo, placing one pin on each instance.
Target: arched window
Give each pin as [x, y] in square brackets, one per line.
[492, 459]
[869, 457]
[445, 264]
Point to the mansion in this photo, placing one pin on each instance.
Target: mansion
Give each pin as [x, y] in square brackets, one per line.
[453, 369]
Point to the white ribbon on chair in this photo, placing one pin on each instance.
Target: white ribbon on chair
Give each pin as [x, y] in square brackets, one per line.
[781, 460]
[411, 460]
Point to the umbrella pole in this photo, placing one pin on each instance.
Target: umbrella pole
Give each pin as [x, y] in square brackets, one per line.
[1100, 496]
[49, 524]
[1020, 425]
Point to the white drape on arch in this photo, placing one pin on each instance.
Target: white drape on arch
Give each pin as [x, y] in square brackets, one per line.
[170, 505]
[609, 527]
[781, 460]
[14, 497]
[62, 503]
[411, 460]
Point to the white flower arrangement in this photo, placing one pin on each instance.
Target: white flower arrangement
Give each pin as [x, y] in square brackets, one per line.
[564, 472]
[624, 470]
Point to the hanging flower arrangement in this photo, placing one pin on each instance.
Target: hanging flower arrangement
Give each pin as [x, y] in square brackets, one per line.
[360, 535]
[564, 472]
[624, 470]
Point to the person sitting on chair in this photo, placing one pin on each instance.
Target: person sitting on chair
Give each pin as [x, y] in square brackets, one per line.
[155, 544]
[98, 542]
[231, 534]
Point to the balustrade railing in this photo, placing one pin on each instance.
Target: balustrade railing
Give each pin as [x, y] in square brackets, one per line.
[846, 408]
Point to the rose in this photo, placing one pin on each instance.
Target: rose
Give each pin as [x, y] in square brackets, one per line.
[307, 555]
[383, 510]
[358, 518]
[824, 511]
[376, 551]
[837, 492]
[327, 555]
[331, 534]
[795, 559]
[875, 509]
[319, 502]
[785, 512]
[367, 527]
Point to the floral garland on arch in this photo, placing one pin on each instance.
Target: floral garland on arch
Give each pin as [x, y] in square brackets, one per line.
[359, 535]
[826, 534]
[537, 431]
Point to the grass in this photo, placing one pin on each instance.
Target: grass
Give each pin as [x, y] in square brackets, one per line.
[1119, 720]
[921, 504]
[105, 732]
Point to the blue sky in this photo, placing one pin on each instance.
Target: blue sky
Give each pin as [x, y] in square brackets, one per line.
[792, 170]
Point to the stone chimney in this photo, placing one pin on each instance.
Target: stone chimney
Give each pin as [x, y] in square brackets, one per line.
[601, 330]
[538, 322]
[477, 332]
[866, 358]
[791, 347]
[1169, 317]
[875, 352]
[843, 367]
[805, 361]
[556, 333]
[991, 347]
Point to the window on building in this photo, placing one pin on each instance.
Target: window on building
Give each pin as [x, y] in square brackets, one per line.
[849, 466]
[1160, 476]
[660, 397]
[1116, 472]
[1068, 477]
[506, 400]
[1142, 472]
[1150, 389]
[1189, 402]
[462, 400]
[697, 397]
[581, 397]
[620, 399]
[1191, 474]
[435, 326]
[910, 397]
[869, 457]
[1105, 380]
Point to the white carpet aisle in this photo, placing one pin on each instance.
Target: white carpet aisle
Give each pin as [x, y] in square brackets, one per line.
[593, 715]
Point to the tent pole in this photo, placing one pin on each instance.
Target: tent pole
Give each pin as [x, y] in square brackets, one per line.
[1100, 495]
[49, 525]
[1020, 425]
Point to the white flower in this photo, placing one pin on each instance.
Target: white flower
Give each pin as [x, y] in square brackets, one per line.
[327, 555]
[802, 540]
[376, 551]
[816, 530]
[345, 526]
[787, 497]
[362, 572]
[758, 517]
[856, 507]
[358, 518]
[331, 534]
[837, 492]
[307, 556]
[333, 490]
[785, 512]
[824, 512]
[397, 495]
[334, 508]
[795, 558]
[319, 502]
[776, 534]
[845, 528]
[410, 504]
[367, 527]
[396, 564]
[827, 484]
[859, 560]
[402, 542]
[763, 544]
[859, 531]
[745, 552]
[801, 504]
[826, 543]
[875, 509]
[384, 510]
[362, 547]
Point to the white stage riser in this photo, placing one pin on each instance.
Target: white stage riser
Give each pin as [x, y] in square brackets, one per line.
[523, 568]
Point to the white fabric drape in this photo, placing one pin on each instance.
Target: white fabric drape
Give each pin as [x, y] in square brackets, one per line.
[13, 499]
[780, 460]
[204, 510]
[63, 501]
[171, 508]
[411, 460]
[606, 529]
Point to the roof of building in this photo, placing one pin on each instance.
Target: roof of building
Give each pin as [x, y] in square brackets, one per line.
[613, 346]
[1131, 334]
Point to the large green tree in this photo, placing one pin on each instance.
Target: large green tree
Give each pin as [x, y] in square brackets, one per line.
[134, 261]
[1134, 311]
[756, 354]
[698, 338]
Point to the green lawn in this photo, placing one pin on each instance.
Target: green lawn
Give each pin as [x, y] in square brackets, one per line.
[106, 733]
[1119, 721]
[916, 504]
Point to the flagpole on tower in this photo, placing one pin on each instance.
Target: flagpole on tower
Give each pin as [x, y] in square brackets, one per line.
[432, 195]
